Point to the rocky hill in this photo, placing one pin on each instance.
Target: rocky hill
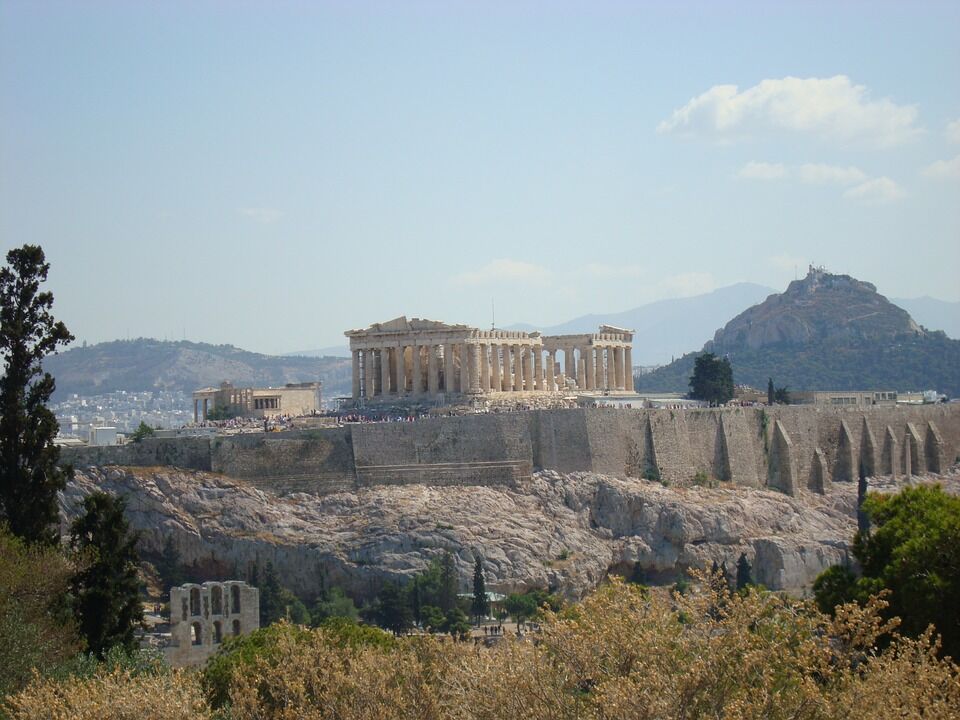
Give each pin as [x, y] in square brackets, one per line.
[146, 364]
[557, 530]
[827, 332]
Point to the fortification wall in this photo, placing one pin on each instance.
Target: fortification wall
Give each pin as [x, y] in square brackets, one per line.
[789, 448]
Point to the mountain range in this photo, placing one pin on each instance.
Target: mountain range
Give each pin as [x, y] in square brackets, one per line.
[147, 364]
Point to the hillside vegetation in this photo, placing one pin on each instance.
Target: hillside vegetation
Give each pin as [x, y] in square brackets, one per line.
[147, 364]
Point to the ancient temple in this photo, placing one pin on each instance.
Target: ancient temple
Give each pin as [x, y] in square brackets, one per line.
[425, 357]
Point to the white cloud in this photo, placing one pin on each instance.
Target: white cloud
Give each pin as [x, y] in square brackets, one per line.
[261, 214]
[827, 107]
[601, 270]
[875, 191]
[504, 269]
[820, 174]
[762, 171]
[943, 169]
[953, 131]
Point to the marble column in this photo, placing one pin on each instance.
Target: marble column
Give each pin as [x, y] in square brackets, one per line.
[448, 368]
[206, 408]
[196, 410]
[605, 369]
[506, 376]
[551, 371]
[616, 381]
[581, 370]
[623, 376]
[433, 370]
[569, 369]
[590, 369]
[384, 371]
[496, 382]
[538, 383]
[517, 369]
[369, 373]
[417, 370]
[474, 365]
[399, 370]
[464, 370]
[528, 368]
[628, 367]
[356, 374]
[484, 367]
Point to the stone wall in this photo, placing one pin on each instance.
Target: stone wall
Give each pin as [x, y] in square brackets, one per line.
[790, 448]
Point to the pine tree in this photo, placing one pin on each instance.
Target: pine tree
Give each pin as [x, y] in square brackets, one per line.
[29, 474]
[106, 589]
[270, 600]
[744, 576]
[480, 606]
[169, 566]
[770, 392]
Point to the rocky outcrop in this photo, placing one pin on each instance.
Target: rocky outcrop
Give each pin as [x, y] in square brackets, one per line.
[820, 307]
[564, 531]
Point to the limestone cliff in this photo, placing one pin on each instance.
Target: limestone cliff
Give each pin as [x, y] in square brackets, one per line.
[595, 523]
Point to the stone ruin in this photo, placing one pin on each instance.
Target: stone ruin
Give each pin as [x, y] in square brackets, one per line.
[203, 616]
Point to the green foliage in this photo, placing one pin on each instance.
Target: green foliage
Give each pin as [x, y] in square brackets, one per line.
[712, 379]
[134, 663]
[480, 607]
[432, 618]
[912, 550]
[169, 565]
[771, 392]
[930, 361]
[744, 572]
[221, 412]
[651, 472]
[36, 628]
[781, 396]
[143, 431]
[391, 610]
[29, 473]
[530, 605]
[238, 653]
[276, 601]
[106, 589]
[345, 632]
[334, 604]
[702, 479]
[681, 586]
[456, 623]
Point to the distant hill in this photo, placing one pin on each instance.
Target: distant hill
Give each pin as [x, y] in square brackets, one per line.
[340, 351]
[668, 328]
[933, 314]
[146, 364]
[827, 332]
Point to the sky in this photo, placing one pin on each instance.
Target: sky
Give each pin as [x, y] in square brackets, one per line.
[270, 174]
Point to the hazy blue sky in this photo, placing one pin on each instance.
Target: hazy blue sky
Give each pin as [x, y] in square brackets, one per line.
[269, 174]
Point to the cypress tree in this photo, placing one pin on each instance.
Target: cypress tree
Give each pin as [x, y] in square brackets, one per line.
[107, 588]
[770, 392]
[480, 605]
[744, 576]
[29, 474]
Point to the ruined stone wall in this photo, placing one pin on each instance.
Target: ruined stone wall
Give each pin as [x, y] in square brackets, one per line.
[788, 448]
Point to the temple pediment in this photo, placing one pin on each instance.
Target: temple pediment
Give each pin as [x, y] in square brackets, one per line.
[403, 325]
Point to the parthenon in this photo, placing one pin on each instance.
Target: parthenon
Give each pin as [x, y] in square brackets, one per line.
[424, 357]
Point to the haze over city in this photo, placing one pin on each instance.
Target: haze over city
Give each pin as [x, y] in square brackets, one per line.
[269, 175]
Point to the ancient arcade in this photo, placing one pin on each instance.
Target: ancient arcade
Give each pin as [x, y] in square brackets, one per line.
[202, 616]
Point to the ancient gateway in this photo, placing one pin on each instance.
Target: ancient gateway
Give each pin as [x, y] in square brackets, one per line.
[425, 357]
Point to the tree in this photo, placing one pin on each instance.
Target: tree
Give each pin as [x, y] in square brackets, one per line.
[106, 589]
[744, 575]
[912, 549]
[712, 379]
[781, 396]
[480, 606]
[520, 606]
[143, 431]
[448, 582]
[391, 609]
[169, 566]
[771, 393]
[334, 604]
[29, 474]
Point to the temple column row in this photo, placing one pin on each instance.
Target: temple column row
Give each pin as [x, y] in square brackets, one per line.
[480, 367]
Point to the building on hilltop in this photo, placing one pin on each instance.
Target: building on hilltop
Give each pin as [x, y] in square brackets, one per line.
[844, 398]
[203, 616]
[411, 358]
[291, 399]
